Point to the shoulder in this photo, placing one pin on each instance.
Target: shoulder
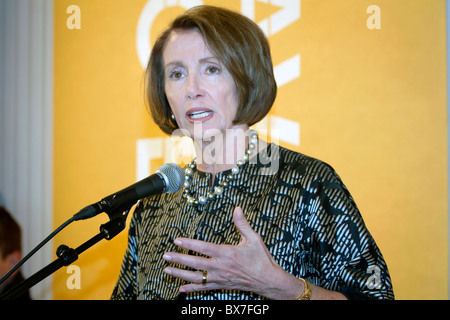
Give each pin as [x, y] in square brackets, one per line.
[311, 179]
[296, 165]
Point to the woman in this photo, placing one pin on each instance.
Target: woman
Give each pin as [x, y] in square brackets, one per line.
[254, 220]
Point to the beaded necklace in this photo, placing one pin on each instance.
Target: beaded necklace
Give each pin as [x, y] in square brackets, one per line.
[218, 190]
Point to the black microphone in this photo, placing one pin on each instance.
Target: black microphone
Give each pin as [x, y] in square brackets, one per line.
[168, 178]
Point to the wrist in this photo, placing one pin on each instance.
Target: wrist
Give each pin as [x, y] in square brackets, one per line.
[283, 286]
[307, 290]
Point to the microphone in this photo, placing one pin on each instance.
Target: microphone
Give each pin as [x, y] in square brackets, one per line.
[168, 178]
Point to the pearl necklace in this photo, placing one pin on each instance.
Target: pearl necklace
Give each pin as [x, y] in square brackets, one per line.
[218, 190]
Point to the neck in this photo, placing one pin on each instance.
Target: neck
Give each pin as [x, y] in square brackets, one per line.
[222, 151]
[242, 144]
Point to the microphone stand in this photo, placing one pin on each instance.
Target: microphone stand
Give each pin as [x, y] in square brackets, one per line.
[68, 255]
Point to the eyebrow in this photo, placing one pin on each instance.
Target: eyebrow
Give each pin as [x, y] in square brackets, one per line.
[177, 63]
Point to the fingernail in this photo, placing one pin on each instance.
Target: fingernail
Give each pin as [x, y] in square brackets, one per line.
[168, 271]
[178, 242]
[167, 257]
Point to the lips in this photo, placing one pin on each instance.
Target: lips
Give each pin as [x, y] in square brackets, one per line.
[199, 114]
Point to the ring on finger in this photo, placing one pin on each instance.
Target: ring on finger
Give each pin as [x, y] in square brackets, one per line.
[204, 278]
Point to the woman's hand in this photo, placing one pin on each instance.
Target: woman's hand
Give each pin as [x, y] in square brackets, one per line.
[247, 266]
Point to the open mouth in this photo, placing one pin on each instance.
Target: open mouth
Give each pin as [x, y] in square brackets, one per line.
[196, 115]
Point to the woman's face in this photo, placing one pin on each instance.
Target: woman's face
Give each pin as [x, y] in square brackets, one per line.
[200, 91]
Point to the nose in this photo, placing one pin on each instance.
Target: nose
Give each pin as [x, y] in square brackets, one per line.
[193, 87]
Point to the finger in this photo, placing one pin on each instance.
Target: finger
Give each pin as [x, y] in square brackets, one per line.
[187, 260]
[203, 247]
[192, 287]
[189, 276]
[242, 224]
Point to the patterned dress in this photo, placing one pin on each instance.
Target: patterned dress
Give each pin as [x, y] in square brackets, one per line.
[297, 204]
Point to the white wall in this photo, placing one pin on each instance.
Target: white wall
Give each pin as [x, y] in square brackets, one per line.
[26, 125]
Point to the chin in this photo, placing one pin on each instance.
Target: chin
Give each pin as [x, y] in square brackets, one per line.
[202, 131]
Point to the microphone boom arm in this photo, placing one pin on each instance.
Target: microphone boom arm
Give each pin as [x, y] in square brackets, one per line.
[168, 178]
[68, 255]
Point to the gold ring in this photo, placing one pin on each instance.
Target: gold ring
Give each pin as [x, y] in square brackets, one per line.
[205, 274]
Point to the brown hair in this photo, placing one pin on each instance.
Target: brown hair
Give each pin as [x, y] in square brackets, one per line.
[10, 234]
[239, 44]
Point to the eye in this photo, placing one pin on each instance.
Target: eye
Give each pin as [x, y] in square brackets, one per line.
[212, 70]
[175, 75]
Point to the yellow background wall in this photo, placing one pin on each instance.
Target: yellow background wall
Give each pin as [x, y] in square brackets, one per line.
[371, 102]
